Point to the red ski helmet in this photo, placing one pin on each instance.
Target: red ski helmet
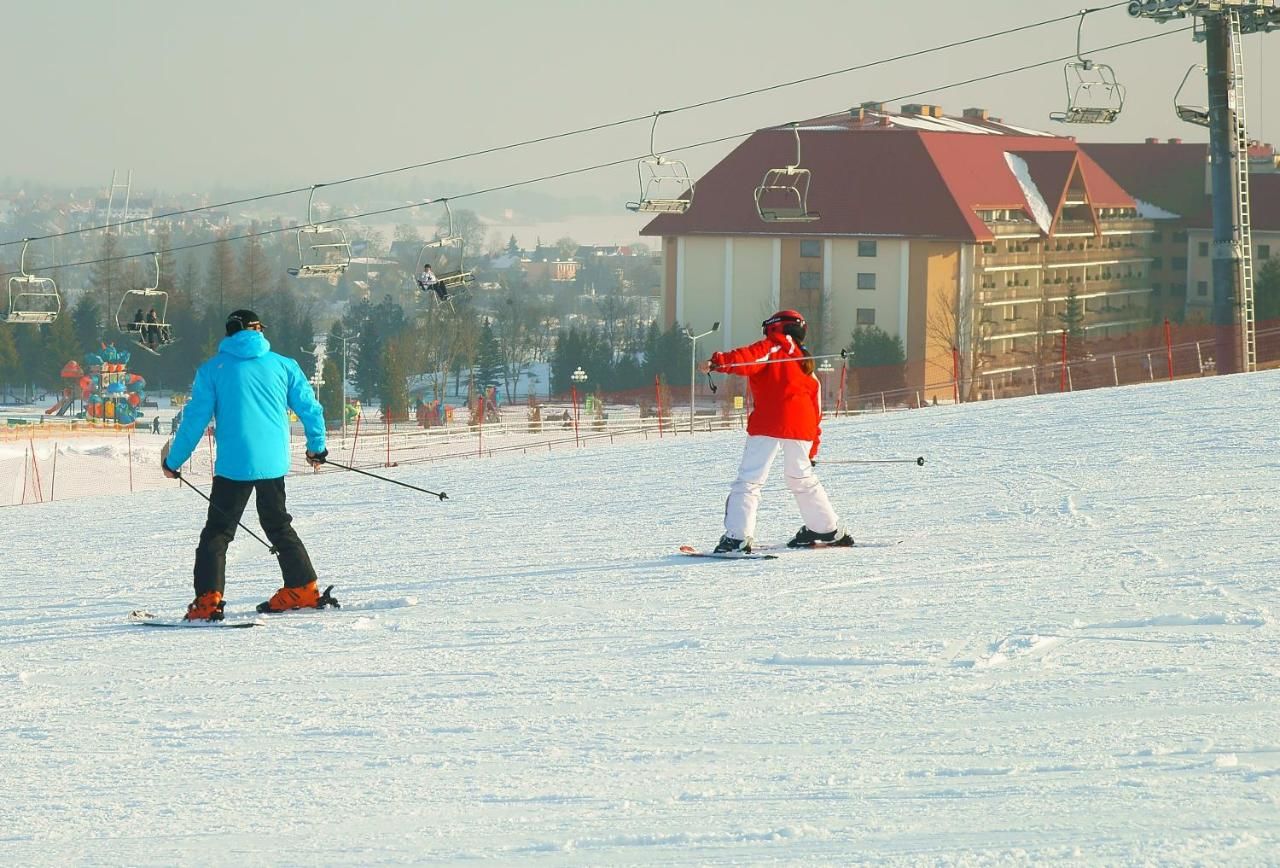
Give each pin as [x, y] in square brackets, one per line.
[785, 322]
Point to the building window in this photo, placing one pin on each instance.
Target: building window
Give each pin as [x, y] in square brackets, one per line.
[1202, 288]
[1157, 263]
[811, 279]
[1204, 248]
[1264, 251]
[1179, 263]
[1180, 237]
[866, 248]
[811, 249]
[1157, 237]
[1157, 288]
[866, 316]
[866, 280]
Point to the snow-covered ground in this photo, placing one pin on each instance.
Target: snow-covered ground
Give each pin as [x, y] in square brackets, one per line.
[1072, 656]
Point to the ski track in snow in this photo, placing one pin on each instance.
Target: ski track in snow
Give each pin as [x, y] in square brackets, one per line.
[1071, 657]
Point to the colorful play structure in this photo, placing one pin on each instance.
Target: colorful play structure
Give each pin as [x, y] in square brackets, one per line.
[108, 393]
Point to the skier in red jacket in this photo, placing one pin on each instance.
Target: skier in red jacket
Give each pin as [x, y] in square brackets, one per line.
[779, 371]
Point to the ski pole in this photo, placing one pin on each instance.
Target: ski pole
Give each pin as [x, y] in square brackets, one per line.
[917, 461]
[843, 354]
[270, 547]
[439, 494]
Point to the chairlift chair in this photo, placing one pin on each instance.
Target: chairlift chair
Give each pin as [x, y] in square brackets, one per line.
[783, 194]
[1093, 94]
[32, 300]
[145, 298]
[664, 183]
[1192, 114]
[454, 278]
[322, 250]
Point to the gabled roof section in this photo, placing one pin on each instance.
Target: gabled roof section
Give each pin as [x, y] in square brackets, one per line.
[1050, 171]
[1170, 175]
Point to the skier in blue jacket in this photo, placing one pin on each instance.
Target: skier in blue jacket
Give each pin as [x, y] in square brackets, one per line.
[249, 390]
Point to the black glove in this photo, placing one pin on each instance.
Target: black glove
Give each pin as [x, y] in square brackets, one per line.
[317, 457]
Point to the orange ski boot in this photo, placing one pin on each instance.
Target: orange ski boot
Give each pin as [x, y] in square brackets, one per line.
[207, 607]
[302, 597]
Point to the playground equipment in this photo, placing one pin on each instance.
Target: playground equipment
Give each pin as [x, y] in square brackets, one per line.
[110, 393]
[71, 372]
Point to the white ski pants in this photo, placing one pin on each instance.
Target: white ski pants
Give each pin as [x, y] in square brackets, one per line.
[744, 494]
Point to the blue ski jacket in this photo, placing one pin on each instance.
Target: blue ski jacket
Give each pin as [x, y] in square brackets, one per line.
[248, 390]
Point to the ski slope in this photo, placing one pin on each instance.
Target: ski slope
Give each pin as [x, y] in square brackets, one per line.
[1073, 655]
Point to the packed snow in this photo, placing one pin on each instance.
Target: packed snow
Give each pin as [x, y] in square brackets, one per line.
[1071, 655]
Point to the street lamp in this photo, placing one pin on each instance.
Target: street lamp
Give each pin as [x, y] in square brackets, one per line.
[579, 377]
[693, 365]
[345, 369]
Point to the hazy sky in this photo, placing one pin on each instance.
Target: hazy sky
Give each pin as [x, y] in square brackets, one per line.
[261, 95]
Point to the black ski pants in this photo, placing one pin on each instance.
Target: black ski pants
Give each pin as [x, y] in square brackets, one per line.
[226, 505]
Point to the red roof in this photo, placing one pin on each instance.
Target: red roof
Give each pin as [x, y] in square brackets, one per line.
[1170, 175]
[1264, 201]
[887, 181]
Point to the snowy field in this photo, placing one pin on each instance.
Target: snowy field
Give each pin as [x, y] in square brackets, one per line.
[1072, 656]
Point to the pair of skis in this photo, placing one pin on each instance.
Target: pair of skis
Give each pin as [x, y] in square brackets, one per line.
[143, 618]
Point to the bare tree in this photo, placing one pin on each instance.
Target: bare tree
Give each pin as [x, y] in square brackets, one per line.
[945, 327]
[614, 308]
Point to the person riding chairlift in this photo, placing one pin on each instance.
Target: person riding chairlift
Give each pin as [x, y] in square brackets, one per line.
[428, 281]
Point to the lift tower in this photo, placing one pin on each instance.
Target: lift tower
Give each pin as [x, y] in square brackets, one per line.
[1221, 24]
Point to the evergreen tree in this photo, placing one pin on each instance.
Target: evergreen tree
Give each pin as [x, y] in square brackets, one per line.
[220, 284]
[489, 364]
[61, 346]
[331, 391]
[513, 246]
[32, 360]
[86, 317]
[255, 276]
[878, 360]
[106, 276]
[8, 362]
[1072, 319]
[393, 393]
[1267, 292]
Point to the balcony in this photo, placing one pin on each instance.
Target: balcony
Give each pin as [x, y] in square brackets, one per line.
[1010, 295]
[1007, 329]
[1080, 256]
[1012, 261]
[1015, 229]
[1127, 224]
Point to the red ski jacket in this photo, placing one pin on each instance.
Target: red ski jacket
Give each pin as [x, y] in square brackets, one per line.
[787, 402]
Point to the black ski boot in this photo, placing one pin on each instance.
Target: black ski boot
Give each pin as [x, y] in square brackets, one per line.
[806, 538]
[730, 544]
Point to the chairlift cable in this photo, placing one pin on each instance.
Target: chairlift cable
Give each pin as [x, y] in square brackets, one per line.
[579, 171]
[570, 133]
